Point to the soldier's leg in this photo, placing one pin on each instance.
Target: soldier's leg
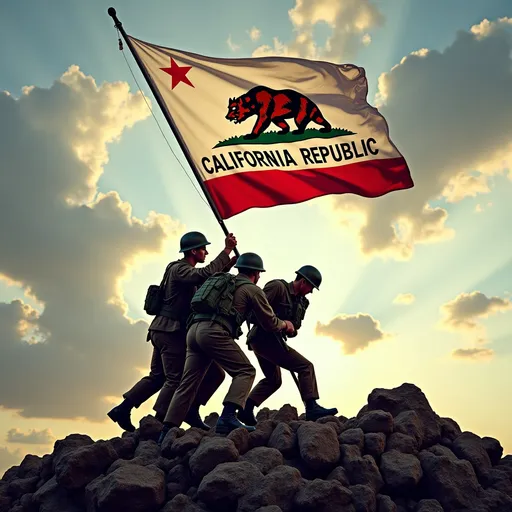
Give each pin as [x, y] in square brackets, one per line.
[213, 379]
[265, 388]
[141, 391]
[173, 349]
[196, 366]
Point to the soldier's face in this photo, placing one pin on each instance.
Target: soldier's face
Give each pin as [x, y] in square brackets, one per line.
[200, 254]
[305, 288]
[257, 277]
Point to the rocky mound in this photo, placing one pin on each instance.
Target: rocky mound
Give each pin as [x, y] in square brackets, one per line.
[396, 455]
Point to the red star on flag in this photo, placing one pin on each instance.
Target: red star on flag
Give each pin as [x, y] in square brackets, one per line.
[178, 74]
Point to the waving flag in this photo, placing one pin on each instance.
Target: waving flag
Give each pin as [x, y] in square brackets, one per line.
[262, 132]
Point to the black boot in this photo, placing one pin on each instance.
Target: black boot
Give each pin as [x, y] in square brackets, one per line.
[160, 417]
[246, 415]
[193, 418]
[163, 433]
[121, 415]
[228, 421]
[315, 411]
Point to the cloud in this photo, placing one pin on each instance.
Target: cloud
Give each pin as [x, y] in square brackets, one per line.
[449, 115]
[475, 354]
[463, 312]
[404, 298]
[15, 435]
[355, 332]
[254, 33]
[70, 247]
[232, 46]
[9, 459]
[349, 22]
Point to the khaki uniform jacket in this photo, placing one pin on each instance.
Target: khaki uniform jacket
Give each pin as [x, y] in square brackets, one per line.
[184, 280]
[250, 298]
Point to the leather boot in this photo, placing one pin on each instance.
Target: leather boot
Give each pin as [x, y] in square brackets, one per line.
[194, 419]
[228, 423]
[121, 415]
[315, 411]
[247, 416]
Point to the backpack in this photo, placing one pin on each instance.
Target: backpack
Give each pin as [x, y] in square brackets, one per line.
[155, 295]
[216, 295]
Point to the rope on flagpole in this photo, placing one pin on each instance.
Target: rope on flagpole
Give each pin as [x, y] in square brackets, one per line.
[158, 124]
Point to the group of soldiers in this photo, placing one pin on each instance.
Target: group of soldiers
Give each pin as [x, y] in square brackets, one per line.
[194, 348]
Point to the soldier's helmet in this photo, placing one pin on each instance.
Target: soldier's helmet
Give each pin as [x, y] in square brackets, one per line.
[310, 274]
[250, 260]
[192, 240]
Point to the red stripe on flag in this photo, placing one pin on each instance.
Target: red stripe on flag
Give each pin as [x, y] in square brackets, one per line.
[236, 193]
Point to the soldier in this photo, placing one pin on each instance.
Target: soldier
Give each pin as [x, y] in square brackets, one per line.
[167, 333]
[211, 339]
[288, 300]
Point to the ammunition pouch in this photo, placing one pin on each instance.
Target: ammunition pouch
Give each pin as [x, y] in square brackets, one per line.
[155, 295]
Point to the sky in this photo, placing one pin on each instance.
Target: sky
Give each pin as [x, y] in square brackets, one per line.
[95, 194]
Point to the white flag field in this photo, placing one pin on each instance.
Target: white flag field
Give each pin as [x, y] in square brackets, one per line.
[268, 131]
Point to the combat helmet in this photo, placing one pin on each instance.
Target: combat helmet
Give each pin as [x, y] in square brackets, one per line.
[250, 260]
[310, 274]
[192, 240]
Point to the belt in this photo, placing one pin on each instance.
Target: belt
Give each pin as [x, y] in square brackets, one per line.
[224, 322]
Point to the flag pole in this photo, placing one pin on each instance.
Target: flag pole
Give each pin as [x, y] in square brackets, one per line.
[117, 24]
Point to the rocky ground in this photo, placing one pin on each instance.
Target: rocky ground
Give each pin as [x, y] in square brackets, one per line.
[396, 455]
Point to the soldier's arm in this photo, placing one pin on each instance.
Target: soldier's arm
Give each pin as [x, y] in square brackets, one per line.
[197, 276]
[275, 291]
[264, 313]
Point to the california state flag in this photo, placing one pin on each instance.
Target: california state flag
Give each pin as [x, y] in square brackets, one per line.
[269, 131]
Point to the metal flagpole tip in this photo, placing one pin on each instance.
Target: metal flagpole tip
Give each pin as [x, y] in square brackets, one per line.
[111, 11]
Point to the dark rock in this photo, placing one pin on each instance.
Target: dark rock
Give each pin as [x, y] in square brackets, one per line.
[295, 425]
[69, 444]
[270, 508]
[429, 506]
[76, 468]
[284, 439]
[265, 459]
[449, 428]
[350, 423]
[286, 414]
[46, 468]
[261, 435]
[32, 465]
[211, 419]
[331, 421]
[263, 414]
[407, 397]
[493, 448]
[322, 496]
[402, 443]
[210, 453]
[352, 436]
[376, 421]
[409, 423]
[124, 446]
[182, 503]
[135, 488]
[221, 488]
[452, 482]
[470, 447]
[168, 442]
[375, 444]
[240, 438]
[498, 480]
[364, 498]
[10, 474]
[363, 470]
[339, 473]
[401, 471]
[278, 487]
[385, 504]
[319, 446]
[190, 439]
[21, 486]
[442, 451]
[149, 428]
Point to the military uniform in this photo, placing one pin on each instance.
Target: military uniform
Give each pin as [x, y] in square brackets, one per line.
[167, 333]
[211, 342]
[271, 355]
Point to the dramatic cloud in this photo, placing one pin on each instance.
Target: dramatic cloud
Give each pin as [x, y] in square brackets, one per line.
[355, 332]
[464, 311]
[69, 247]
[33, 437]
[254, 33]
[232, 46]
[475, 354]
[8, 459]
[436, 105]
[348, 20]
[404, 298]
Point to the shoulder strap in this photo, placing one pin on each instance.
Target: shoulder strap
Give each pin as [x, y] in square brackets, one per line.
[167, 272]
[288, 296]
